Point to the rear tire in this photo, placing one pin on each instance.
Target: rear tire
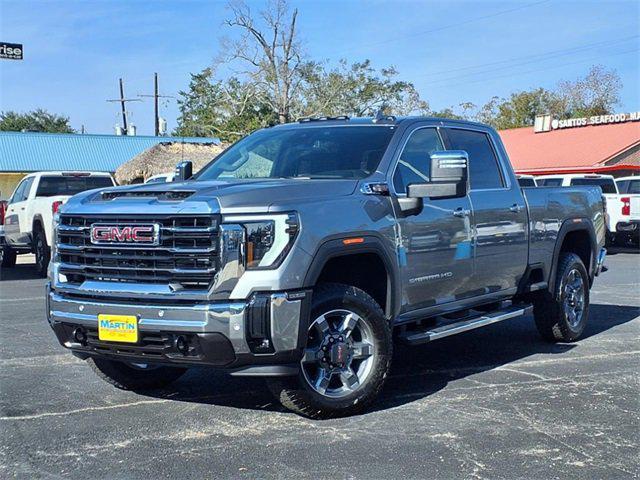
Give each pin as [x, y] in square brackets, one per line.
[42, 252]
[129, 377]
[347, 357]
[562, 315]
[9, 256]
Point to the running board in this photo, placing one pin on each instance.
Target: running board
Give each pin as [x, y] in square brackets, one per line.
[442, 330]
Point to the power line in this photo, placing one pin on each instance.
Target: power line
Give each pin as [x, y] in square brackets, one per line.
[492, 70]
[446, 27]
[538, 56]
[526, 72]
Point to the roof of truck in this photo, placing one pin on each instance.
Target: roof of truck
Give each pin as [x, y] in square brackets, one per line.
[385, 120]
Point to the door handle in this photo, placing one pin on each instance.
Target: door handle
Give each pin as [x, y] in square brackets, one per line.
[515, 208]
[461, 212]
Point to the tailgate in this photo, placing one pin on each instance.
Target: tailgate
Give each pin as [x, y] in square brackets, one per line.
[635, 207]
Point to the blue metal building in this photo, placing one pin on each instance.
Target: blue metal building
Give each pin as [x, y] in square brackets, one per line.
[26, 152]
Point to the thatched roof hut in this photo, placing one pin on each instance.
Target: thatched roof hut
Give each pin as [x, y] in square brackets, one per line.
[163, 157]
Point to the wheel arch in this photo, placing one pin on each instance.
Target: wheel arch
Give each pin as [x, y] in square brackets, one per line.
[361, 262]
[576, 236]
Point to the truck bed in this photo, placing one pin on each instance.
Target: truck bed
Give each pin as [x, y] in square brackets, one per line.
[551, 207]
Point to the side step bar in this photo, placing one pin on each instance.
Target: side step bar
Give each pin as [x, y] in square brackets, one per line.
[453, 327]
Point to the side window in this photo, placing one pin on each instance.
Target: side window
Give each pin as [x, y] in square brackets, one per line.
[414, 162]
[17, 194]
[484, 171]
[26, 190]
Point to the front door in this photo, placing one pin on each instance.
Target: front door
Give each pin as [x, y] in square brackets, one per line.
[15, 229]
[434, 246]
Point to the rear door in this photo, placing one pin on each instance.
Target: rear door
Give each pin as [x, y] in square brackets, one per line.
[435, 245]
[499, 212]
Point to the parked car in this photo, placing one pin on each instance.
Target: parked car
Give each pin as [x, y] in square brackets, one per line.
[161, 178]
[299, 252]
[527, 180]
[628, 224]
[606, 183]
[29, 211]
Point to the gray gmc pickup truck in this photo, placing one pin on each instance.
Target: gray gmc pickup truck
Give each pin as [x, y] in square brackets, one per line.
[305, 252]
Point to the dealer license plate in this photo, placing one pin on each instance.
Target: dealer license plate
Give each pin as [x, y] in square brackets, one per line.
[118, 328]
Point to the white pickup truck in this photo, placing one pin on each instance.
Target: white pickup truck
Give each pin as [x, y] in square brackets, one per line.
[617, 214]
[628, 224]
[29, 211]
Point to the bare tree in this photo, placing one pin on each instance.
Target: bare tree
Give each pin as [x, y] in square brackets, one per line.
[270, 49]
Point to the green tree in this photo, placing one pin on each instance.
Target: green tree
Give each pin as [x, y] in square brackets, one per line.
[226, 109]
[358, 90]
[520, 109]
[38, 120]
[597, 93]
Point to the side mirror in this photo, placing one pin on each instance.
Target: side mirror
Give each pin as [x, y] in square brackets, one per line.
[184, 171]
[449, 179]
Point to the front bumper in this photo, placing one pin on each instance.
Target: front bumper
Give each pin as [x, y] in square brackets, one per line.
[266, 331]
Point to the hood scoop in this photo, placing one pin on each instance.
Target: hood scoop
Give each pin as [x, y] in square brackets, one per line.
[171, 195]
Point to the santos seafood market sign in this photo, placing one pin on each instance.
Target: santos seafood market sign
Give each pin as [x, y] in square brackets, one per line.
[544, 123]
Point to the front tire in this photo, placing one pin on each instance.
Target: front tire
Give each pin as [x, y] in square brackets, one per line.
[561, 315]
[347, 357]
[42, 252]
[134, 377]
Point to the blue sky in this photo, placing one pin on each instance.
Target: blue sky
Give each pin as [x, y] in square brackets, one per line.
[453, 51]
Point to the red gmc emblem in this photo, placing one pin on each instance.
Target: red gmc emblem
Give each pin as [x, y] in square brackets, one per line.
[144, 234]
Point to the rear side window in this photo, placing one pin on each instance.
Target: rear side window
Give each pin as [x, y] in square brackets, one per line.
[415, 162]
[550, 182]
[629, 186]
[484, 171]
[61, 185]
[606, 184]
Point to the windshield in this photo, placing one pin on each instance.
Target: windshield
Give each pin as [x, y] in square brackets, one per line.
[605, 184]
[69, 185]
[306, 152]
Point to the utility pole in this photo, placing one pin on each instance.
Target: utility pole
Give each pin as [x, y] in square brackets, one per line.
[123, 102]
[156, 95]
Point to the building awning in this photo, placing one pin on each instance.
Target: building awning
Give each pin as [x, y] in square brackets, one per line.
[601, 148]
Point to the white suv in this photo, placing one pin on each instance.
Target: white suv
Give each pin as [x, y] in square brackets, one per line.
[29, 212]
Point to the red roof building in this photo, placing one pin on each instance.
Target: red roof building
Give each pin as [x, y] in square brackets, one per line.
[611, 148]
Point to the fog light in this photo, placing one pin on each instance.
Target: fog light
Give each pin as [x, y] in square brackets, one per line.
[182, 344]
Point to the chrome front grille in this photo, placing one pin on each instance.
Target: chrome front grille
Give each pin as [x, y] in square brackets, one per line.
[186, 255]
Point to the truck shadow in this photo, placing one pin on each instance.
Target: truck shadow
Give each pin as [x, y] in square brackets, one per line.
[417, 372]
[22, 271]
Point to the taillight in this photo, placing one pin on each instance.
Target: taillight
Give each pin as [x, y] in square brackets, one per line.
[55, 206]
[626, 205]
[3, 210]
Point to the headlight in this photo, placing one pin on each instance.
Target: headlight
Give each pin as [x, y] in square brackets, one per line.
[268, 238]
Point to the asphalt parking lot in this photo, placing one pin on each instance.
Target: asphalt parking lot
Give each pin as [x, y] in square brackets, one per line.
[493, 403]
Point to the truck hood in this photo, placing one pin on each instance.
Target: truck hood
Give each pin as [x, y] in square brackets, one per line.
[255, 196]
